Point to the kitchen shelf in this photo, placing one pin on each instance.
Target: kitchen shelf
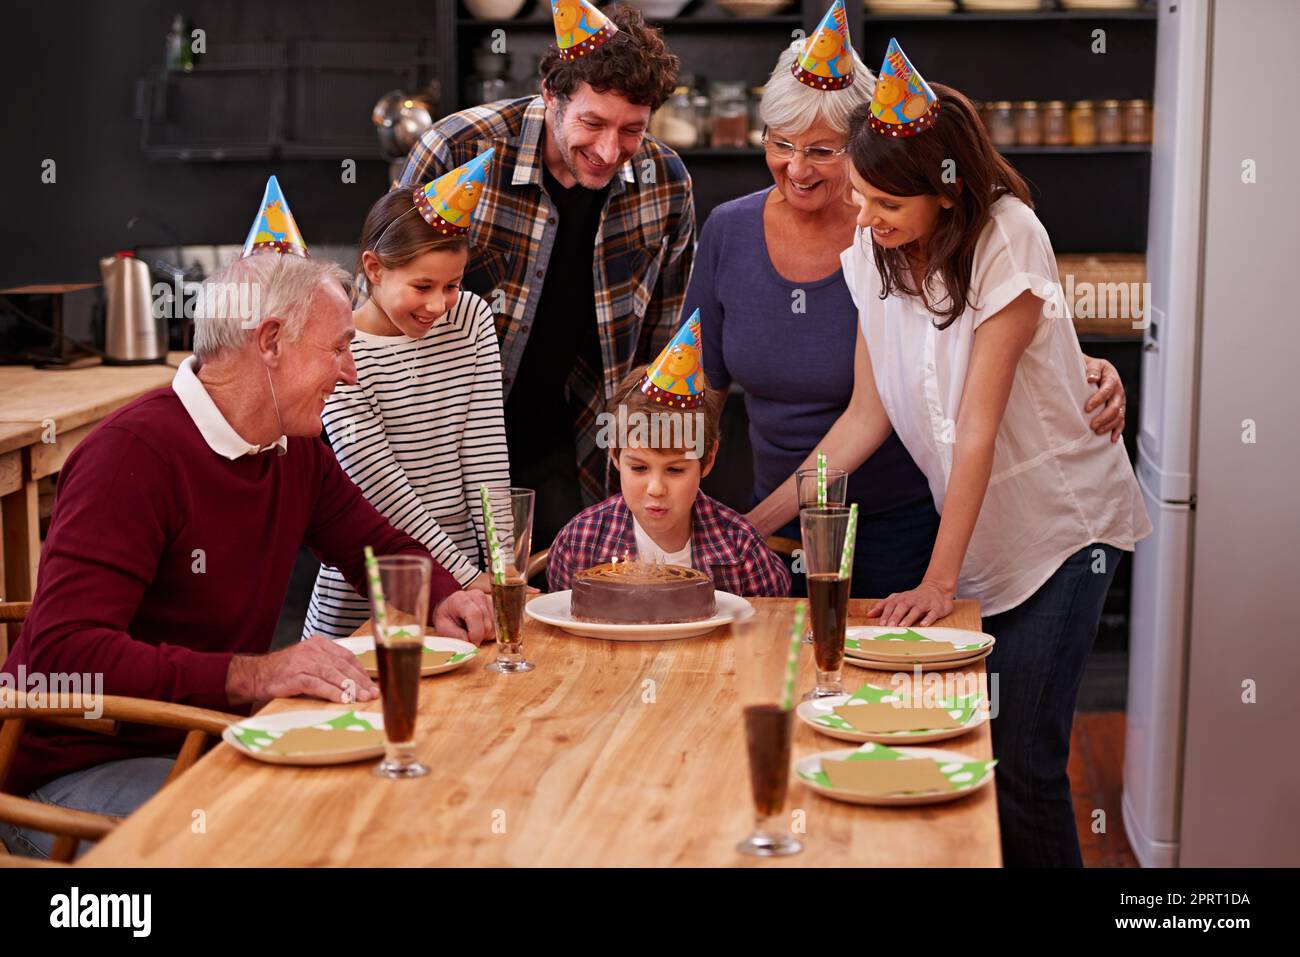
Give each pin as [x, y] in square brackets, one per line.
[1077, 150]
[686, 22]
[1024, 16]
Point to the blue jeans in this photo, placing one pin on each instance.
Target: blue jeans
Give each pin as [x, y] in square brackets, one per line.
[1042, 646]
[116, 789]
[890, 553]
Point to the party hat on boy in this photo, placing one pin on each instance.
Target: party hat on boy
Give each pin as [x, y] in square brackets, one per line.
[903, 104]
[676, 378]
[447, 204]
[826, 62]
[274, 228]
[579, 27]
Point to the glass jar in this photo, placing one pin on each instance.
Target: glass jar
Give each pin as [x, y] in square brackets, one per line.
[1002, 124]
[1083, 124]
[1029, 125]
[728, 114]
[1056, 123]
[700, 101]
[755, 120]
[1110, 127]
[675, 121]
[1137, 121]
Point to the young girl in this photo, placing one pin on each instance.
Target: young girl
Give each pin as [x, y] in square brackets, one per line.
[423, 426]
[968, 349]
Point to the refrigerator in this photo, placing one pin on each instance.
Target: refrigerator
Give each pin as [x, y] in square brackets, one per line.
[1212, 744]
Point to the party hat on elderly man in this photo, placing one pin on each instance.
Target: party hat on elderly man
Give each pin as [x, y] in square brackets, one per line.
[826, 61]
[676, 378]
[274, 229]
[447, 204]
[903, 104]
[579, 27]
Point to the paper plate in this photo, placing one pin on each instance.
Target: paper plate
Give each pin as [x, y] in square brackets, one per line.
[819, 714]
[885, 644]
[966, 775]
[905, 664]
[553, 609]
[463, 651]
[257, 736]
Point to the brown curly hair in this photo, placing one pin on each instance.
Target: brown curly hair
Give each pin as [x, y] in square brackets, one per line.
[634, 63]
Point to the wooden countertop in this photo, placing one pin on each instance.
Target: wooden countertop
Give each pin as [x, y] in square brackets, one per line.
[74, 397]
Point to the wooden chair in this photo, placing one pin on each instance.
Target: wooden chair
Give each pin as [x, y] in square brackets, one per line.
[782, 546]
[11, 613]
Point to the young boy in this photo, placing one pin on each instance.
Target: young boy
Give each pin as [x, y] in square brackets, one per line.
[661, 451]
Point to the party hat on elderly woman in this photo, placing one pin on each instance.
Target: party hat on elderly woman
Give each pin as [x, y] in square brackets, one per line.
[676, 378]
[447, 204]
[579, 27]
[903, 104]
[274, 229]
[826, 61]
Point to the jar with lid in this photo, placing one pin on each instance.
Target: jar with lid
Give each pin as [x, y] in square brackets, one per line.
[728, 114]
[1002, 124]
[1083, 124]
[755, 120]
[1110, 127]
[1056, 123]
[1137, 121]
[1029, 125]
[675, 121]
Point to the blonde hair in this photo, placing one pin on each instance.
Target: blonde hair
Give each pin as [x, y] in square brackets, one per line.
[792, 107]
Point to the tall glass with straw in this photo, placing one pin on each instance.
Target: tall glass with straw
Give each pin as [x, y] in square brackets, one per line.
[399, 606]
[767, 646]
[828, 537]
[508, 529]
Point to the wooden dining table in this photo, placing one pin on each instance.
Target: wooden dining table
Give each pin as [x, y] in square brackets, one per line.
[610, 753]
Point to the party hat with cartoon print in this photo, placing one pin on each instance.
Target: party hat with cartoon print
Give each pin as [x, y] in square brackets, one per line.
[579, 27]
[676, 378]
[274, 229]
[447, 204]
[903, 104]
[826, 62]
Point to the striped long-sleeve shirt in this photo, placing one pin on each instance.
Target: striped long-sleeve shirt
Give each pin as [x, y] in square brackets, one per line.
[421, 429]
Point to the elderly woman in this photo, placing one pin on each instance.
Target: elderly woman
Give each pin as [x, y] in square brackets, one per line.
[778, 321]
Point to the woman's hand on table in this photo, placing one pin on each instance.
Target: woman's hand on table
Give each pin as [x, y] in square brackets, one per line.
[1109, 398]
[465, 614]
[923, 605]
[317, 667]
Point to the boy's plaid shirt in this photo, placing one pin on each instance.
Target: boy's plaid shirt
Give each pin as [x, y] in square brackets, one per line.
[641, 262]
[723, 543]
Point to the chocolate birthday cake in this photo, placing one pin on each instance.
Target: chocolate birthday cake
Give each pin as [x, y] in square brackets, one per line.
[640, 593]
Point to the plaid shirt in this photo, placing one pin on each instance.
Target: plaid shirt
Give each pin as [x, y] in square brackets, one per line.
[640, 265]
[723, 544]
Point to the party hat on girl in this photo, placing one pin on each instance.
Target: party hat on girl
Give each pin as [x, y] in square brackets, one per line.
[447, 204]
[826, 62]
[903, 104]
[274, 229]
[579, 27]
[676, 378]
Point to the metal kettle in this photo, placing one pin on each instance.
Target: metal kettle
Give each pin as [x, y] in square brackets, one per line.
[132, 333]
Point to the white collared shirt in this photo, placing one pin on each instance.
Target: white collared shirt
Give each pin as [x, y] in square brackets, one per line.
[212, 425]
[648, 551]
[1055, 486]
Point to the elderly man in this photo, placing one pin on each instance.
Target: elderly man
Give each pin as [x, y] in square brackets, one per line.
[175, 531]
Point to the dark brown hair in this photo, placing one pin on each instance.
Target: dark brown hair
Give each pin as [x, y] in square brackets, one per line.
[634, 63]
[916, 166]
[629, 395]
[397, 234]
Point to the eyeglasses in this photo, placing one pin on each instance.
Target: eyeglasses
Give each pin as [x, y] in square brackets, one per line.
[818, 155]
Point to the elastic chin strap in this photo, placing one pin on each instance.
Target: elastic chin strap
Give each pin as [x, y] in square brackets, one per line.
[274, 402]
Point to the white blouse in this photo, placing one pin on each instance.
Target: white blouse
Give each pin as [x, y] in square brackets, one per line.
[1055, 486]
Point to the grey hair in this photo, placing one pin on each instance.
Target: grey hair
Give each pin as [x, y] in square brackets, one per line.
[792, 107]
[234, 300]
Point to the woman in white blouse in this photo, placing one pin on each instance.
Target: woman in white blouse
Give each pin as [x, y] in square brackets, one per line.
[967, 349]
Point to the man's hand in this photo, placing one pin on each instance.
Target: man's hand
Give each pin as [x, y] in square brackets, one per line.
[317, 667]
[465, 614]
[1109, 398]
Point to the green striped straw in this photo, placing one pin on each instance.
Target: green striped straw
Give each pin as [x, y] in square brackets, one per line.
[376, 594]
[846, 558]
[821, 479]
[792, 658]
[494, 550]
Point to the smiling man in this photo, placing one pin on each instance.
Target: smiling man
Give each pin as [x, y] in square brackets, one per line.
[583, 241]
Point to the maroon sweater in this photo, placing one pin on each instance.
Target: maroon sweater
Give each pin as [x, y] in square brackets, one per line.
[165, 559]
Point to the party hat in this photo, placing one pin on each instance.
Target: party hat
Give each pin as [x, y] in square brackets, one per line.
[676, 378]
[903, 104]
[579, 27]
[447, 204]
[274, 228]
[826, 62]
